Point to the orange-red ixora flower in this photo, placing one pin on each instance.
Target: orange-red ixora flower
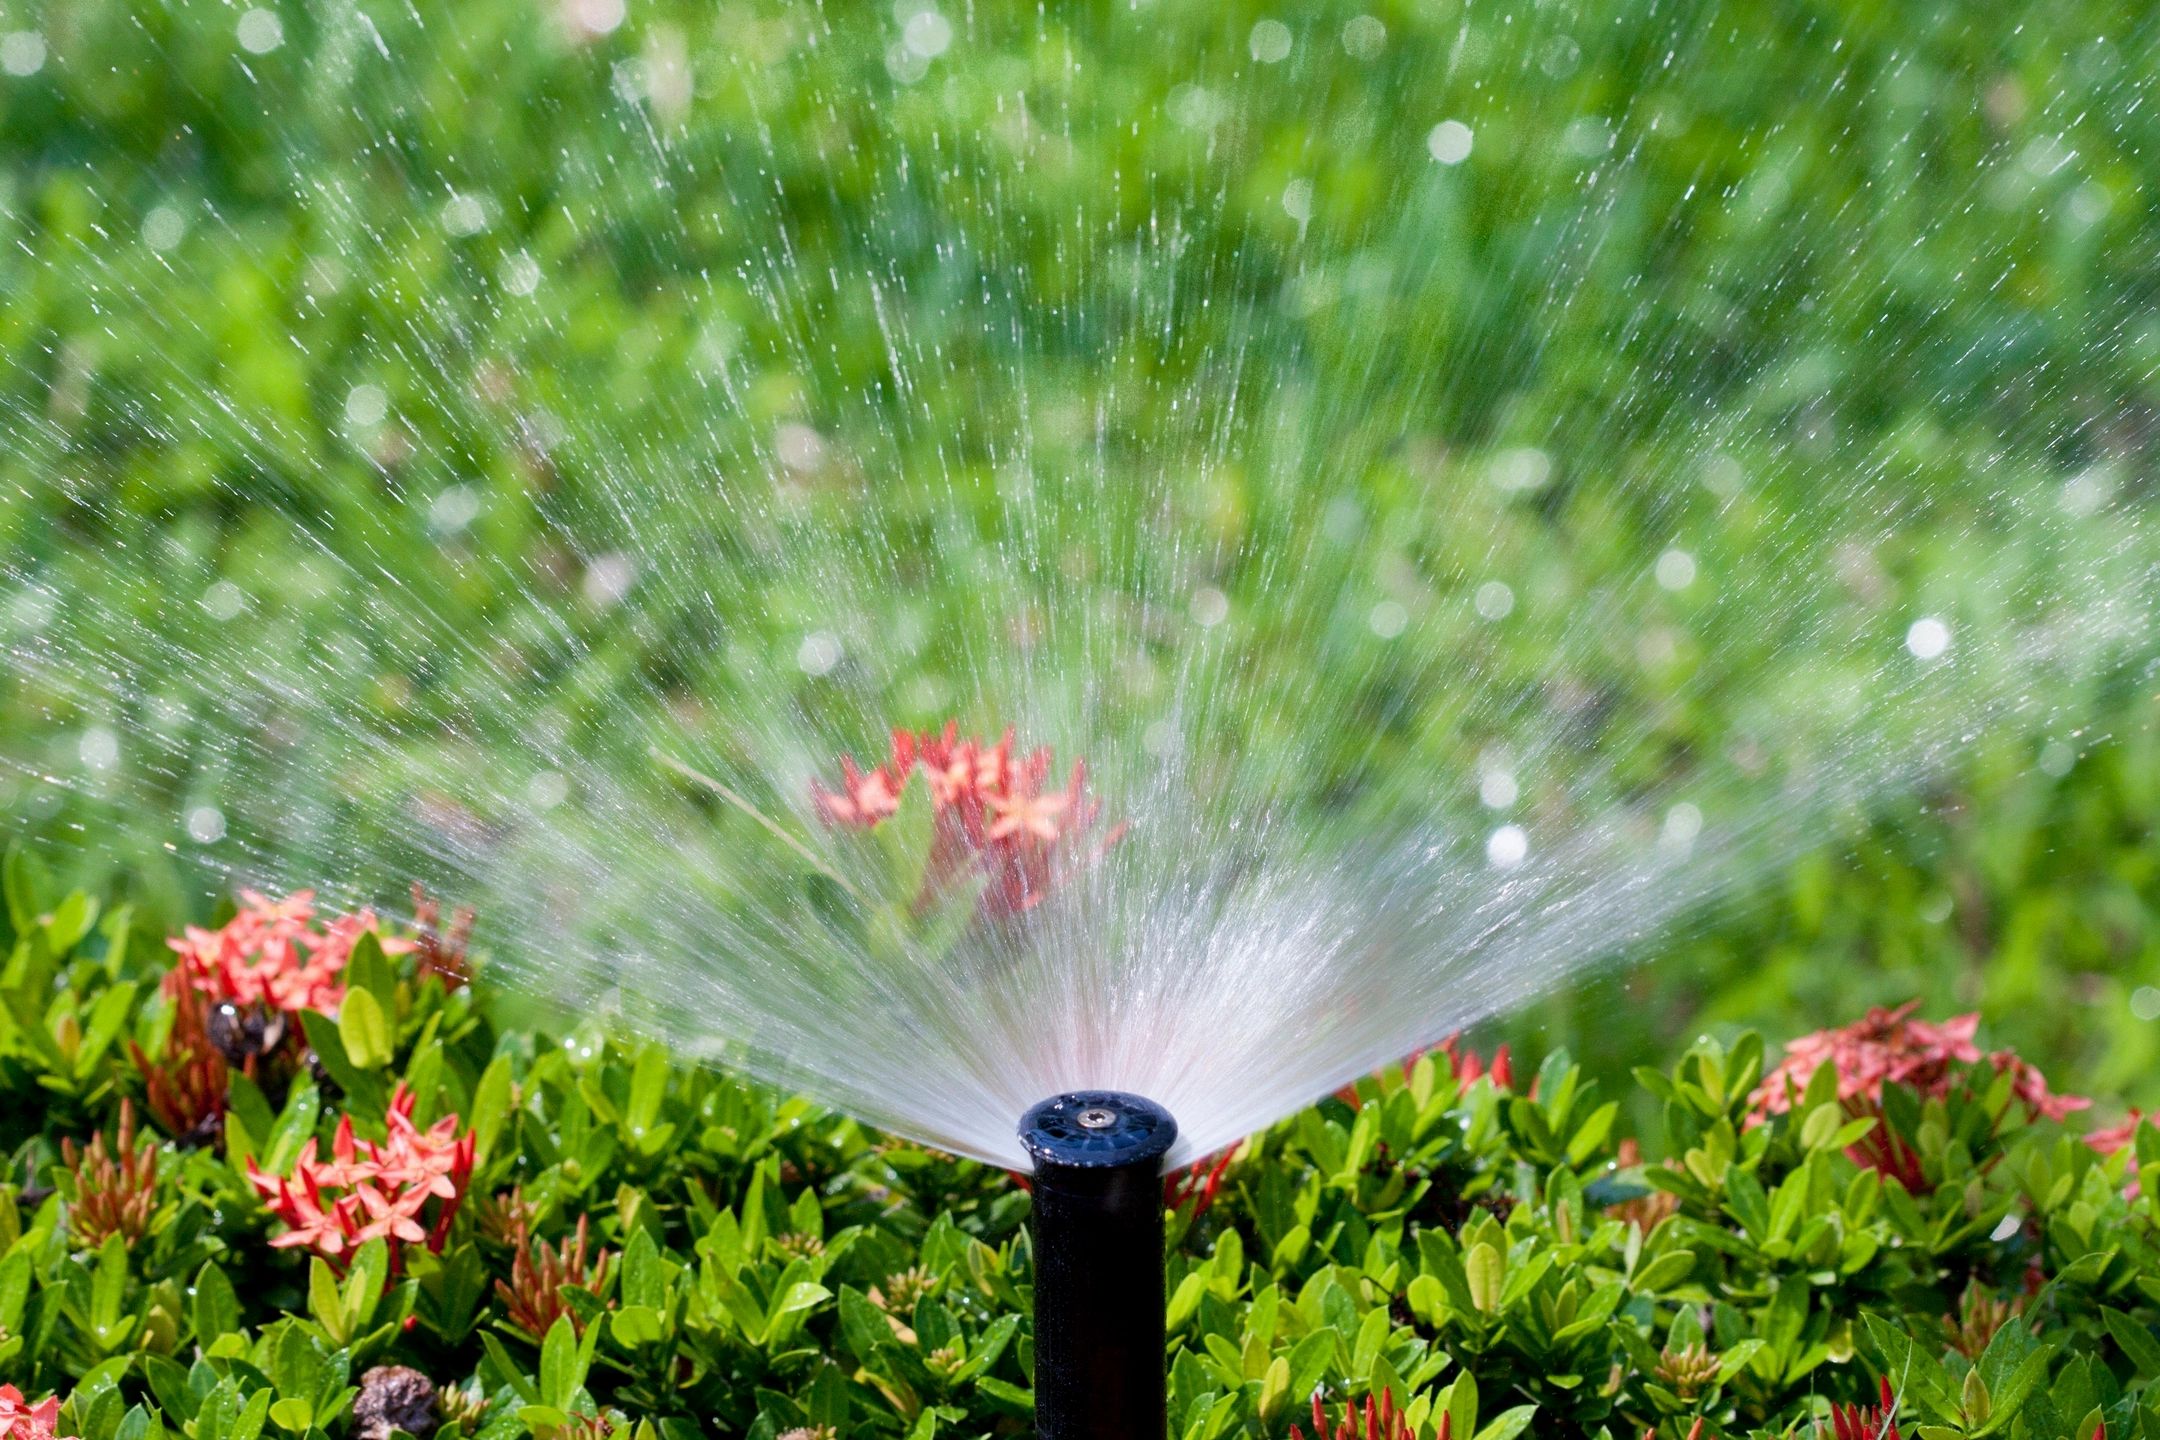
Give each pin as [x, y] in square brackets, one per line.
[1889, 1047]
[405, 1188]
[1463, 1066]
[995, 814]
[1379, 1420]
[20, 1420]
[115, 1190]
[1198, 1183]
[2112, 1138]
[1866, 1422]
[272, 954]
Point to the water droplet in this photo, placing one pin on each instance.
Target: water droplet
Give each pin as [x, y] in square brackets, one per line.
[22, 52]
[927, 33]
[260, 31]
[366, 406]
[2088, 490]
[818, 653]
[800, 448]
[608, 578]
[2057, 759]
[99, 748]
[206, 824]
[1210, 607]
[1269, 42]
[595, 17]
[1588, 137]
[163, 228]
[520, 273]
[1495, 601]
[904, 65]
[464, 215]
[1196, 107]
[1364, 36]
[1523, 468]
[1683, 823]
[1722, 476]
[1560, 57]
[1297, 200]
[547, 789]
[1507, 847]
[1497, 790]
[454, 509]
[1927, 638]
[1936, 908]
[1676, 570]
[2091, 202]
[1388, 619]
[2145, 1003]
[1343, 519]
[1449, 142]
[224, 600]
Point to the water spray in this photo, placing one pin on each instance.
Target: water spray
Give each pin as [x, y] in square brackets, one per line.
[1098, 1223]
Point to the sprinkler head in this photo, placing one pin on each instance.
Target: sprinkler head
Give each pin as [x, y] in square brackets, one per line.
[1096, 1130]
[1098, 1222]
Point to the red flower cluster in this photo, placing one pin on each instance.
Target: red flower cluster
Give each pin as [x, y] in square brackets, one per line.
[2112, 1138]
[1887, 1047]
[271, 954]
[1197, 1184]
[20, 1421]
[388, 1189]
[1379, 1420]
[1464, 1066]
[994, 813]
[1866, 1422]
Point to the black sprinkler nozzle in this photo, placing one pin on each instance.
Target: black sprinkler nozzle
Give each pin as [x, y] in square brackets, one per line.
[1098, 1222]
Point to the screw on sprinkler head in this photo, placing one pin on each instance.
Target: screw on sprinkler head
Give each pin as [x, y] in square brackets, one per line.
[1097, 1130]
[1098, 1223]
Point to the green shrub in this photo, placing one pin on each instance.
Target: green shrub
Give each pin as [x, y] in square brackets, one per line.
[620, 1243]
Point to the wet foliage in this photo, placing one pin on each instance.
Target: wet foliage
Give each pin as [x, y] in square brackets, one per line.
[645, 1249]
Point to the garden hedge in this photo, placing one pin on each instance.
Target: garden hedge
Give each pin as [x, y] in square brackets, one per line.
[286, 1175]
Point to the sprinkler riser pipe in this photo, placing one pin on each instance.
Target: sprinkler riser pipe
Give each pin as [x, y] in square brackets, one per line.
[1099, 1272]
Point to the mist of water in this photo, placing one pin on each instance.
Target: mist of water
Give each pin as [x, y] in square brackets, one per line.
[1422, 669]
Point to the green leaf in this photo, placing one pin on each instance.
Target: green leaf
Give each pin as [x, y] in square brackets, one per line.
[802, 1295]
[108, 1293]
[363, 1088]
[1509, 1423]
[648, 1087]
[26, 881]
[1485, 1271]
[2135, 1340]
[216, 1310]
[1309, 1360]
[560, 1374]
[1668, 1270]
[325, 1303]
[511, 1372]
[294, 1413]
[365, 1030]
[490, 1108]
[368, 968]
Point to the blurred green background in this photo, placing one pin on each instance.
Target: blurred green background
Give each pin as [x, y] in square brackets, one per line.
[301, 299]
